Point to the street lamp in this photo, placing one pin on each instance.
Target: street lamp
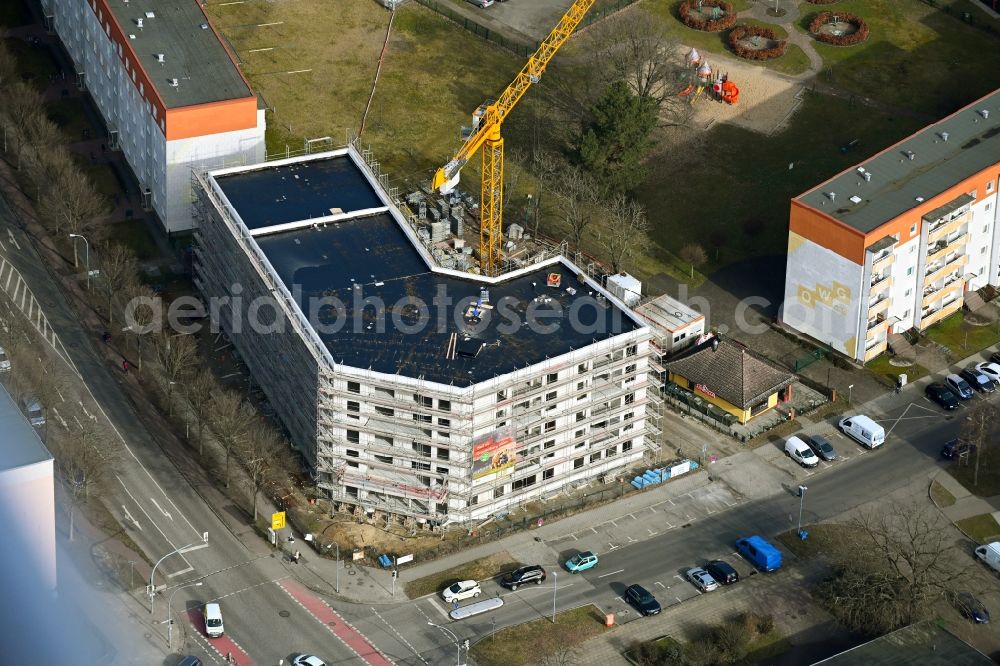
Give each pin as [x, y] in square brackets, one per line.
[454, 638]
[87, 245]
[849, 393]
[802, 499]
[170, 619]
[151, 588]
[555, 587]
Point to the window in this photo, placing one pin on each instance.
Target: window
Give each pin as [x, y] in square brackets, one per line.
[443, 454]
[353, 406]
[474, 501]
[524, 483]
[578, 463]
[498, 492]
[913, 229]
[384, 459]
[612, 451]
[909, 271]
[679, 337]
[580, 445]
[629, 369]
[627, 446]
[632, 350]
[442, 470]
[446, 423]
[548, 474]
[581, 416]
[421, 465]
[982, 250]
[351, 463]
[353, 387]
[594, 457]
[353, 436]
[501, 395]
[552, 378]
[629, 398]
[907, 292]
[582, 368]
[549, 444]
[501, 413]
[913, 248]
[906, 315]
[423, 401]
[550, 426]
[989, 186]
[385, 411]
[423, 418]
[551, 395]
[422, 449]
[444, 405]
[351, 453]
[579, 433]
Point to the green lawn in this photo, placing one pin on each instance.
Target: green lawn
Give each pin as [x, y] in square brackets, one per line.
[982, 528]
[941, 496]
[824, 539]
[730, 188]
[989, 473]
[134, 235]
[533, 641]
[961, 338]
[916, 56]
[481, 569]
[881, 366]
[71, 117]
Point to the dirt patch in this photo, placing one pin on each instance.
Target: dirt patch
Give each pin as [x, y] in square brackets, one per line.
[481, 569]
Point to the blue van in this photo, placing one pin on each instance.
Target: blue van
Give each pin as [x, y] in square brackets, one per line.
[763, 555]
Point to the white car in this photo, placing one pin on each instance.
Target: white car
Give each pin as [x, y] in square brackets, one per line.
[463, 589]
[702, 579]
[800, 452]
[4, 361]
[991, 370]
[307, 660]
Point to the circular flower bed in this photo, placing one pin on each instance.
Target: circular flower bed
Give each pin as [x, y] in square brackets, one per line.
[742, 38]
[825, 28]
[700, 17]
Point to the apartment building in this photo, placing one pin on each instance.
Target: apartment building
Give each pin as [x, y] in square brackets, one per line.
[169, 91]
[895, 242]
[410, 389]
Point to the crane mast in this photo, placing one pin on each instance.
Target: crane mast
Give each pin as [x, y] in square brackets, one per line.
[487, 121]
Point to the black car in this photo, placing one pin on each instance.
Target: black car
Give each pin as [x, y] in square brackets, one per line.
[531, 574]
[643, 601]
[956, 448]
[722, 572]
[977, 380]
[995, 357]
[942, 395]
[972, 608]
[821, 447]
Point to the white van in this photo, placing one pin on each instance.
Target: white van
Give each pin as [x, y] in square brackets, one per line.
[213, 620]
[800, 452]
[864, 430]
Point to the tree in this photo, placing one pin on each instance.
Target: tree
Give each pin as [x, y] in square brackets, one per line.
[177, 355]
[262, 452]
[977, 431]
[232, 422]
[120, 272]
[84, 461]
[575, 192]
[143, 312]
[626, 229]
[897, 560]
[21, 105]
[199, 392]
[633, 47]
[693, 254]
[72, 205]
[544, 166]
[8, 67]
[613, 145]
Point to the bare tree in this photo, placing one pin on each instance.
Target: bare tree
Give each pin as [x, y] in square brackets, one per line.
[544, 166]
[21, 105]
[15, 331]
[633, 47]
[177, 355]
[693, 254]
[71, 205]
[199, 392]
[262, 454]
[232, 422]
[85, 460]
[120, 271]
[626, 230]
[563, 656]
[977, 432]
[896, 562]
[142, 313]
[576, 191]
[8, 66]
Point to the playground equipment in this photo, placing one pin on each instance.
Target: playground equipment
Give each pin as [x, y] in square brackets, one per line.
[702, 77]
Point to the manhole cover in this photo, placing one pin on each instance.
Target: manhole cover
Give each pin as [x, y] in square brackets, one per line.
[331, 624]
[284, 614]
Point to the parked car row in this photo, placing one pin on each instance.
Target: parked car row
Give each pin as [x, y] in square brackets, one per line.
[808, 450]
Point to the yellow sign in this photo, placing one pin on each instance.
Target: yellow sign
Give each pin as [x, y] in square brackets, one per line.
[278, 520]
[828, 296]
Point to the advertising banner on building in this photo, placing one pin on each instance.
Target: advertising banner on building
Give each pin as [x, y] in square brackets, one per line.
[493, 454]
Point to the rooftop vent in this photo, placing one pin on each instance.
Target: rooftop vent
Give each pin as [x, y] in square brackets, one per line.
[138, 23]
[150, 15]
[985, 113]
[131, 36]
[832, 195]
[944, 136]
[174, 83]
[856, 199]
[920, 199]
[160, 57]
[204, 26]
[861, 169]
[910, 154]
[868, 176]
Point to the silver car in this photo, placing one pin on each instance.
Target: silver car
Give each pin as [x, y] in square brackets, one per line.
[702, 579]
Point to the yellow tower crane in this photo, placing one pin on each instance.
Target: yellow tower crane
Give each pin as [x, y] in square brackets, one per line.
[486, 122]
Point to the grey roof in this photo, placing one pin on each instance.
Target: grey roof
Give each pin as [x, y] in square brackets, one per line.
[21, 445]
[668, 313]
[370, 257]
[923, 644]
[191, 54]
[732, 372]
[898, 183]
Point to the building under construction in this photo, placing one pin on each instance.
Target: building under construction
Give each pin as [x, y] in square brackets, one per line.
[411, 385]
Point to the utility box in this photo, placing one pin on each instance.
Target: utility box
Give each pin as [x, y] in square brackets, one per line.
[627, 288]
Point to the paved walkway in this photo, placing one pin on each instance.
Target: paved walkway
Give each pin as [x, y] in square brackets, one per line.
[966, 504]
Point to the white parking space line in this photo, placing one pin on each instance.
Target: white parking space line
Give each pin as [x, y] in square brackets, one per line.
[439, 609]
[651, 532]
[662, 586]
[611, 573]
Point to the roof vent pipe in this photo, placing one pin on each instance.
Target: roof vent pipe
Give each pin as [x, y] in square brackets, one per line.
[944, 136]
[138, 23]
[160, 57]
[912, 155]
[868, 176]
[986, 113]
[833, 196]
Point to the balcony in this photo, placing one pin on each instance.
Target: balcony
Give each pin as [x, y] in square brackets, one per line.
[938, 270]
[934, 294]
[875, 325]
[880, 282]
[875, 348]
[883, 260]
[931, 316]
[936, 251]
[878, 305]
[942, 229]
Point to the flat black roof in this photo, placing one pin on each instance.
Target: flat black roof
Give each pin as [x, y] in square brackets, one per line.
[298, 191]
[21, 444]
[385, 310]
[192, 54]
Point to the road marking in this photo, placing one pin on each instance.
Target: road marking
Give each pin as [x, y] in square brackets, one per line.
[593, 530]
[400, 636]
[13, 240]
[133, 520]
[711, 511]
[669, 526]
[631, 540]
[613, 523]
[611, 546]
[156, 504]
[439, 609]
[574, 537]
[679, 600]
[653, 509]
[679, 577]
[731, 505]
[178, 573]
[651, 532]
[660, 584]
[632, 516]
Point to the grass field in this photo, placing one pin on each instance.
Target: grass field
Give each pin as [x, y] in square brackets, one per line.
[989, 473]
[941, 496]
[916, 57]
[961, 338]
[881, 366]
[533, 641]
[481, 569]
[69, 114]
[982, 528]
